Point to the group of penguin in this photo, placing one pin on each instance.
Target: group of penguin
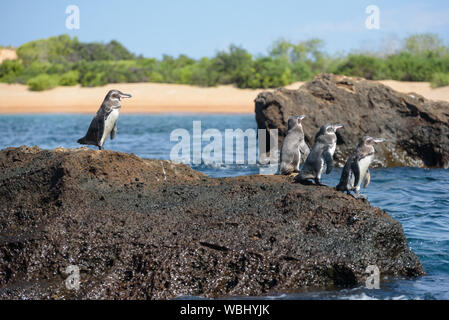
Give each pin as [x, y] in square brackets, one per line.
[320, 158]
[317, 160]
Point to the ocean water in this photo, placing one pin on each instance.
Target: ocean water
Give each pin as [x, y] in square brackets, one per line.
[418, 198]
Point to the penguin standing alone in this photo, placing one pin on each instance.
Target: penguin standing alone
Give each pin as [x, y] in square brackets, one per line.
[356, 168]
[321, 156]
[293, 146]
[105, 121]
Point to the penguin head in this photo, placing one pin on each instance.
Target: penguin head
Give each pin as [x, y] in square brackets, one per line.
[116, 96]
[370, 141]
[295, 121]
[329, 128]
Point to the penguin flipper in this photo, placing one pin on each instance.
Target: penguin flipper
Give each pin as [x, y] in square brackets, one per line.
[114, 131]
[356, 171]
[328, 160]
[367, 179]
[304, 148]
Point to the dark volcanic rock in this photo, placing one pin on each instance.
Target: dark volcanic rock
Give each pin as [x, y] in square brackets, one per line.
[142, 229]
[416, 129]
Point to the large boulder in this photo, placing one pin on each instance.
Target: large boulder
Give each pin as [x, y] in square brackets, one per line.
[140, 229]
[416, 129]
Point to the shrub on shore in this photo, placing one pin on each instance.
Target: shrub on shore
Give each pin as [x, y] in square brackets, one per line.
[69, 78]
[43, 82]
[10, 70]
[365, 66]
[440, 79]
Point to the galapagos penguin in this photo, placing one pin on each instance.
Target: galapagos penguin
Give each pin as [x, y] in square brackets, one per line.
[293, 146]
[356, 168]
[321, 156]
[104, 123]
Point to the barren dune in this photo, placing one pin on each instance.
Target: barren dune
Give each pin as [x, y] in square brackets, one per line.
[160, 98]
[7, 54]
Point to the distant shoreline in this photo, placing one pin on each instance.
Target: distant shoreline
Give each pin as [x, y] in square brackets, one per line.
[159, 98]
[147, 98]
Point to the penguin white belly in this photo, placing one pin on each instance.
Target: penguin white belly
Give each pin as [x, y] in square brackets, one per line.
[332, 149]
[298, 159]
[109, 124]
[320, 172]
[363, 166]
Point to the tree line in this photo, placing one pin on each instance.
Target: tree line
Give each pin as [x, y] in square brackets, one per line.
[65, 61]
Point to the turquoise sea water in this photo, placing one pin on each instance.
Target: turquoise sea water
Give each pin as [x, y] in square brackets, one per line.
[418, 198]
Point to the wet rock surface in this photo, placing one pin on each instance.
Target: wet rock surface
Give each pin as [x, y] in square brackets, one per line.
[416, 129]
[150, 229]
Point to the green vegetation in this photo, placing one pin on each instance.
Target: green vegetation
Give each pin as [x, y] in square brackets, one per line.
[69, 78]
[44, 64]
[43, 82]
[10, 70]
[440, 79]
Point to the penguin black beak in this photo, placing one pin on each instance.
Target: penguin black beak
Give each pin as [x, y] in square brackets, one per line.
[124, 95]
[338, 126]
[379, 140]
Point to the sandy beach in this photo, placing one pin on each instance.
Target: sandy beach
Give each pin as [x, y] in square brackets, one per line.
[160, 98]
[146, 98]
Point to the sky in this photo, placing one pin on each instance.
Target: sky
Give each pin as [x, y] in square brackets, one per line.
[202, 27]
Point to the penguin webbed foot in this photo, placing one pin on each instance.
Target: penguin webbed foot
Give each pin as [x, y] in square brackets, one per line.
[306, 182]
[319, 183]
[358, 195]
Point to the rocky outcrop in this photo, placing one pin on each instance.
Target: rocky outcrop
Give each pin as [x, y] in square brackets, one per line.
[149, 229]
[416, 129]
